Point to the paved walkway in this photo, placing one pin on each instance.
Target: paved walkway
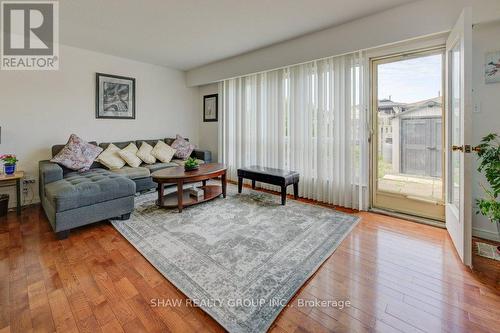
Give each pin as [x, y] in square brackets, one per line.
[425, 187]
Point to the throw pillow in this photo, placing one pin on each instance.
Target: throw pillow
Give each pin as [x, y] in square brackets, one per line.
[110, 158]
[144, 153]
[183, 148]
[163, 152]
[77, 154]
[129, 155]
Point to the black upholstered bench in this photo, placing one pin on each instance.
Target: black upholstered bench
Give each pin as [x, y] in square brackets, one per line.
[278, 177]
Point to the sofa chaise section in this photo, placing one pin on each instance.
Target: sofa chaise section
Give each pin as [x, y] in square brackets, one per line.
[75, 199]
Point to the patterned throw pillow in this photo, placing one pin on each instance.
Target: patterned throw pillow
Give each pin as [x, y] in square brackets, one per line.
[183, 148]
[77, 154]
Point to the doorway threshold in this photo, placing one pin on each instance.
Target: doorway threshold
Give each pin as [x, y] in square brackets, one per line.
[412, 218]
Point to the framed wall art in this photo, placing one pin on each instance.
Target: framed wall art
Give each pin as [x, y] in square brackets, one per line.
[492, 67]
[115, 97]
[210, 107]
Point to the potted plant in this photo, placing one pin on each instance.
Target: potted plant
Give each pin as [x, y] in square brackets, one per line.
[488, 153]
[9, 163]
[191, 164]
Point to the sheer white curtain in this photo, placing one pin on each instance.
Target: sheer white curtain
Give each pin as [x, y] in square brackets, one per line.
[311, 118]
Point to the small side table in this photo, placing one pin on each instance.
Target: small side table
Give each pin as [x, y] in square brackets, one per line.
[10, 180]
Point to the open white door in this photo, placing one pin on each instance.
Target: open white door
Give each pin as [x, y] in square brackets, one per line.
[458, 135]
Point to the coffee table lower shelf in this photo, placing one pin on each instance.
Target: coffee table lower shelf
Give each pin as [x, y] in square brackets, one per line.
[171, 200]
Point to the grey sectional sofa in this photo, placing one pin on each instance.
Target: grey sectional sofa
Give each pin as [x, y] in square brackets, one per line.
[71, 199]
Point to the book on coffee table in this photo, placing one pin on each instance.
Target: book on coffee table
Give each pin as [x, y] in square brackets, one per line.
[196, 192]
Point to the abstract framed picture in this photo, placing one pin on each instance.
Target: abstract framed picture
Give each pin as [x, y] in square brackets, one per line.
[210, 107]
[492, 67]
[115, 97]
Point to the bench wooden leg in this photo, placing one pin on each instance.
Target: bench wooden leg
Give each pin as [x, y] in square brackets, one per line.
[283, 195]
[296, 191]
[240, 184]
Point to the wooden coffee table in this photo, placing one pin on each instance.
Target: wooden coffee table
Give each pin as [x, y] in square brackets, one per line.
[179, 176]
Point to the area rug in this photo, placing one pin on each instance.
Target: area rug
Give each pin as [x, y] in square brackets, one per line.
[241, 259]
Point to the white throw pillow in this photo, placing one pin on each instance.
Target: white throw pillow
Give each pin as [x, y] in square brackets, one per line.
[131, 148]
[110, 158]
[129, 155]
[144, 153]
[163, 152]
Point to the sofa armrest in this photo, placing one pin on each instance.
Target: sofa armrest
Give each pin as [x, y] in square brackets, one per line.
[49, 172]
[201, 154]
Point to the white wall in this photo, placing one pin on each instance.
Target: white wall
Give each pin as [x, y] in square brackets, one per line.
[41, 108]
[485, 37]
[408, 21]
[209, 131]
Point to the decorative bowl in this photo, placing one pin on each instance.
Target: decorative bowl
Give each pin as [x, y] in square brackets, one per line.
[191, 168]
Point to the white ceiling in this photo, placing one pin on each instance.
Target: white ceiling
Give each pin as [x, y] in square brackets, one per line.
[185, 34]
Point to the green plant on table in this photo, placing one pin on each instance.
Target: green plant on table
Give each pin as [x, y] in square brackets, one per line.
[9, 159]
[191, 163]
[488, 153]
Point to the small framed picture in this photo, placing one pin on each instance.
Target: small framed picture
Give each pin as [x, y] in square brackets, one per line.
[115, 97]
[210, 107]
[492, 67]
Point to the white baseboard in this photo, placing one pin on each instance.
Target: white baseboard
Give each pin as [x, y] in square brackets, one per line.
[486, 234]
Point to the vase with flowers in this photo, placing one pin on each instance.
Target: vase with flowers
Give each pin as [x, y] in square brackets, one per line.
[9, 163]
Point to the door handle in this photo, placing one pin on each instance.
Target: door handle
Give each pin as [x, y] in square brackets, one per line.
[465, 148]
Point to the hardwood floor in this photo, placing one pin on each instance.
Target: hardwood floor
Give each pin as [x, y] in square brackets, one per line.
[397, 275]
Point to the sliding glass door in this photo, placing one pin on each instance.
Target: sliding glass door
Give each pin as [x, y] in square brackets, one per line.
[407, 146]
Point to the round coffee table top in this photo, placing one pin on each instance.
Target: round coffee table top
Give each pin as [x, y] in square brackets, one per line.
[179, 172]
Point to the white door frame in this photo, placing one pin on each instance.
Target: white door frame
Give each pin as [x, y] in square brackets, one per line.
[459, 219]
[395, 202]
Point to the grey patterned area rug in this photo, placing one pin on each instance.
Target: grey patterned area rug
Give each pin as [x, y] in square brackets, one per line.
[241, 258]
